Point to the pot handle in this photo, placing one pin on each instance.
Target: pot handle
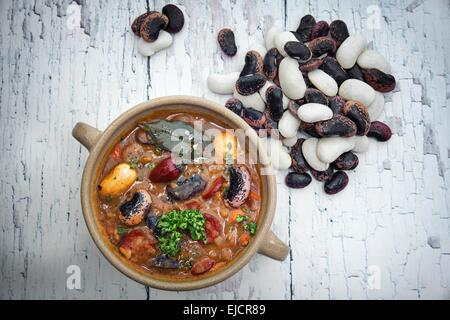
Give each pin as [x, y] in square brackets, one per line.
[273, 247]
[86, 135]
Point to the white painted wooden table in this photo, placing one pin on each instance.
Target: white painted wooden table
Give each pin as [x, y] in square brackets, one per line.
[386, 236]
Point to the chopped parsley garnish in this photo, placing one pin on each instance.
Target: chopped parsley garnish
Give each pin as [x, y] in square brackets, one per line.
[241, 218]
[173, 223]
[134, 163]
[149, 165]
[250, 227]
[121, 230]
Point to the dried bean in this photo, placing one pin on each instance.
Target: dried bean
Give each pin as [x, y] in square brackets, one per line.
[361, 144]
[353, 89]
[309, 148]
[225, 37]
[136, 25]
[150, 48]
[330, 148]
[309, 129]
[320, 29]
[323, 82]
[281, 39]
[152, 25]
[379, 131]
[297, 180]
[315, 96]
[336, 104]
[250, 84]
[350, 49]
[338, 125]
[339, 31]
[270, 63]
[299, 163]
[253, 63]
[222, 83]
[322, 45]
[274, 98]
[252, 101]
[355, 73]
[293, 106]
[305, 27]
[371, 59]
[337, 183]
[176, 18]
[379, 80]
[313, 112]
[269, 38]
[235, 105]
[311, 65]
[254, 118]
[357, 112]
[298, 50]
[376, 107]
[291, 79]
[323, 175]
[288, 125]
[334, 69]
[346, 161]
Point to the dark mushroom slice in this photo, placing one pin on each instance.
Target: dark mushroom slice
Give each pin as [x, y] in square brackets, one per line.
[305, 27]
[136, 25]
[250, 84]
[186, 188]
[235, 105]
[135, 210]
[176, 18]
[239, 188]
[152, 25]
[225, 37]
[253, 63]
[142, 136]
[334, 69]
[274, 97]
[164, 262]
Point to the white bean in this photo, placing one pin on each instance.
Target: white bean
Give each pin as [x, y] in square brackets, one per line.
[291, 79]
[288, 125]
[290, 142]
[376, 107]
[252, 101]
[350, 49]
[353, 89]
[361, 144]
[330, 148]
[270, 36]
[313, 112]
[370, 59]
[309, 150]
[150, 48]
[222, 83]
[281, 39]
[323, 82]
[279, 157]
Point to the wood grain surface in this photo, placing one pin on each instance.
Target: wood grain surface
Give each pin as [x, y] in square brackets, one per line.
[386, 236]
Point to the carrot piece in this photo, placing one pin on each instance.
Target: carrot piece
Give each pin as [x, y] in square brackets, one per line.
[254, 196]
[235, 214]
[244, 239]
[116, 154]
[224, 213]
